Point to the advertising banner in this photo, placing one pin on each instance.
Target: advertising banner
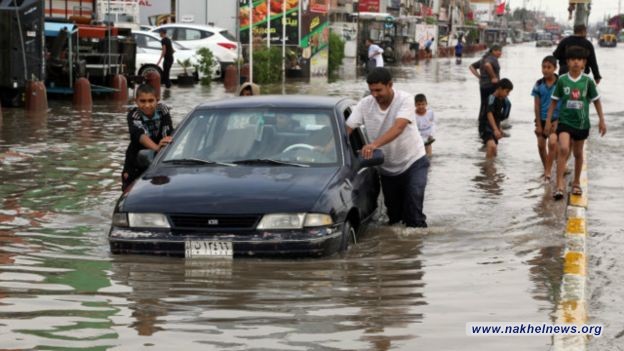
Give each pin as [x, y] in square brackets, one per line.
[266, 17]
[315, 35]
[314, 27]
[368, 6]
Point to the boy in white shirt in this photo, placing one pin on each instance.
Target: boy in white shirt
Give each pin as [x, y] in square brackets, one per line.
[425, 122]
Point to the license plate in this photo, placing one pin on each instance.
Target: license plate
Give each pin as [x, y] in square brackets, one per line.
[205, 248]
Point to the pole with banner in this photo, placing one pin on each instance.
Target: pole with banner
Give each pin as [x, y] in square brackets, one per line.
[283, 45]
[250, 41]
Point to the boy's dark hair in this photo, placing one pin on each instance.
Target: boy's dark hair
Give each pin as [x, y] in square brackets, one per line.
[550, 59]
[495, 47]
[162, 30]
[576, 52]
[504, 84]
[145, 89]
[379, 75]
[420, 98]
[580, 28]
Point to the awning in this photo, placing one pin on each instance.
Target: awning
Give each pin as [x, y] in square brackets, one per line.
[52, 29]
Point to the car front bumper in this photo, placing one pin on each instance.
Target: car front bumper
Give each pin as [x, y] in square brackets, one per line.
[294, 243]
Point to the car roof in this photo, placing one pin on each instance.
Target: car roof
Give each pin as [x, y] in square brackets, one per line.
[192, 26]
[151, 34]
[279, 101]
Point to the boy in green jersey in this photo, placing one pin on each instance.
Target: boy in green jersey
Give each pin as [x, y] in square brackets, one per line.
[575, 90]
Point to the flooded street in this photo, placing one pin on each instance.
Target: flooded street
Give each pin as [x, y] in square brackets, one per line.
[492, 254]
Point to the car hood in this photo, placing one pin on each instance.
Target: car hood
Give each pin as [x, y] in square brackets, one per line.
[233, 190]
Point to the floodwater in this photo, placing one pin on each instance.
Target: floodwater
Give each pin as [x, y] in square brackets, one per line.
[492, 254]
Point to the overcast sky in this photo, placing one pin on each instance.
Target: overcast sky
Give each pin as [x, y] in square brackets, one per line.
[558, 8]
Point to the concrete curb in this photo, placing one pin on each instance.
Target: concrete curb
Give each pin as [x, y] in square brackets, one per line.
[572, 308]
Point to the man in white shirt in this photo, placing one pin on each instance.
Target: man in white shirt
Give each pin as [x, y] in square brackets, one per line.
[390, 122]
[375, 53]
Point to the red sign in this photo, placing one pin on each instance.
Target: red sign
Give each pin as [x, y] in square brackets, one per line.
[368, 6]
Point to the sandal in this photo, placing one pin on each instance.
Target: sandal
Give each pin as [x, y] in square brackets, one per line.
[577, 190]
[558, 195]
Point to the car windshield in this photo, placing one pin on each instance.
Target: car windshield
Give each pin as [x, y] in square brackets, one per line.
[271, 137]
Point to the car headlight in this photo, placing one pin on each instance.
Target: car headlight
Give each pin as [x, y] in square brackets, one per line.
[148, 220]
[293, 221]
[317, 220]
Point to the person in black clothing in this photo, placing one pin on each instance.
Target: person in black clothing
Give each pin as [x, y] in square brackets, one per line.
[578, 39]
[167, 54]
[150, 127]
[497, 110]
[487, 70]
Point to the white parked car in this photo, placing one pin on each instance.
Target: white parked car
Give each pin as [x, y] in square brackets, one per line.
[148, 53]
[223, 45]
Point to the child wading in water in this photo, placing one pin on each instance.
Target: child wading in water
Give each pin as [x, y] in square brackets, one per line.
[542, 91]
[497, 110]
[425, 121]
[575, 90]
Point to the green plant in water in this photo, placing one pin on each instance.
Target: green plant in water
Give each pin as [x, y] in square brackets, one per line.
[186, 64]
[267, 65]
[206, 60]
[336, 52]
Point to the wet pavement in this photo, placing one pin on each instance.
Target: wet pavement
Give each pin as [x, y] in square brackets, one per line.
[492, 254]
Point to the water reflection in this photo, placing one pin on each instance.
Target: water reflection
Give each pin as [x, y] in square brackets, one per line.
[489, 179]
[342, 303]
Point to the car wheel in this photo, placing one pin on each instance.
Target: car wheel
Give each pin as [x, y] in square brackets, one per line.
[150, 68]
[348, 236]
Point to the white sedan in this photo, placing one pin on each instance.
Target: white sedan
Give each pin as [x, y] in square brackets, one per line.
[221, 43]
[148, 53]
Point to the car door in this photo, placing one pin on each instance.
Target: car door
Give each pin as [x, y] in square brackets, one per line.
[365, 181]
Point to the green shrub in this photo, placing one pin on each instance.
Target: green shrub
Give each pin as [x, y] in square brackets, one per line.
[336, 52]
[186, 64]
[267, 65]
[206, 60]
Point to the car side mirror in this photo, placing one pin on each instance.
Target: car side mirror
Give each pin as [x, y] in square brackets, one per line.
[145, 158]
[376, 160]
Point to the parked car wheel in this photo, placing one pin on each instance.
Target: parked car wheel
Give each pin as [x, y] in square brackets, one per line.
[150, 68]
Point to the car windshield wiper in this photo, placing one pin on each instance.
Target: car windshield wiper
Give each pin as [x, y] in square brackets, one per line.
[270, 161]
[197, 161]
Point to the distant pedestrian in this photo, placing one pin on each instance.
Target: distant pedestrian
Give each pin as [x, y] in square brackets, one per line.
[166, 54]
[459, 51]
[425, 121]
[497, 110]
[542, 91]
[578, 39]
[150, 127]
[575, 91]
[487, 70]
[375, 55]
[388, 115]
[428, 45]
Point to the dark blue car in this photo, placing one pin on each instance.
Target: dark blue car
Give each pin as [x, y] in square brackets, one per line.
[252, 176]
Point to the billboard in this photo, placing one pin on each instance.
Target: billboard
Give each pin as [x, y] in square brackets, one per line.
[265, 19]
[315, 35]
[368, 6]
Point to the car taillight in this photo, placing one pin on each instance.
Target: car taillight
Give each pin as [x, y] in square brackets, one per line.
[229, 46]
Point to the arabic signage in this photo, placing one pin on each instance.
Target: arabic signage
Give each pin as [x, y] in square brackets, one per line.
[266, 19]
[368, 6]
